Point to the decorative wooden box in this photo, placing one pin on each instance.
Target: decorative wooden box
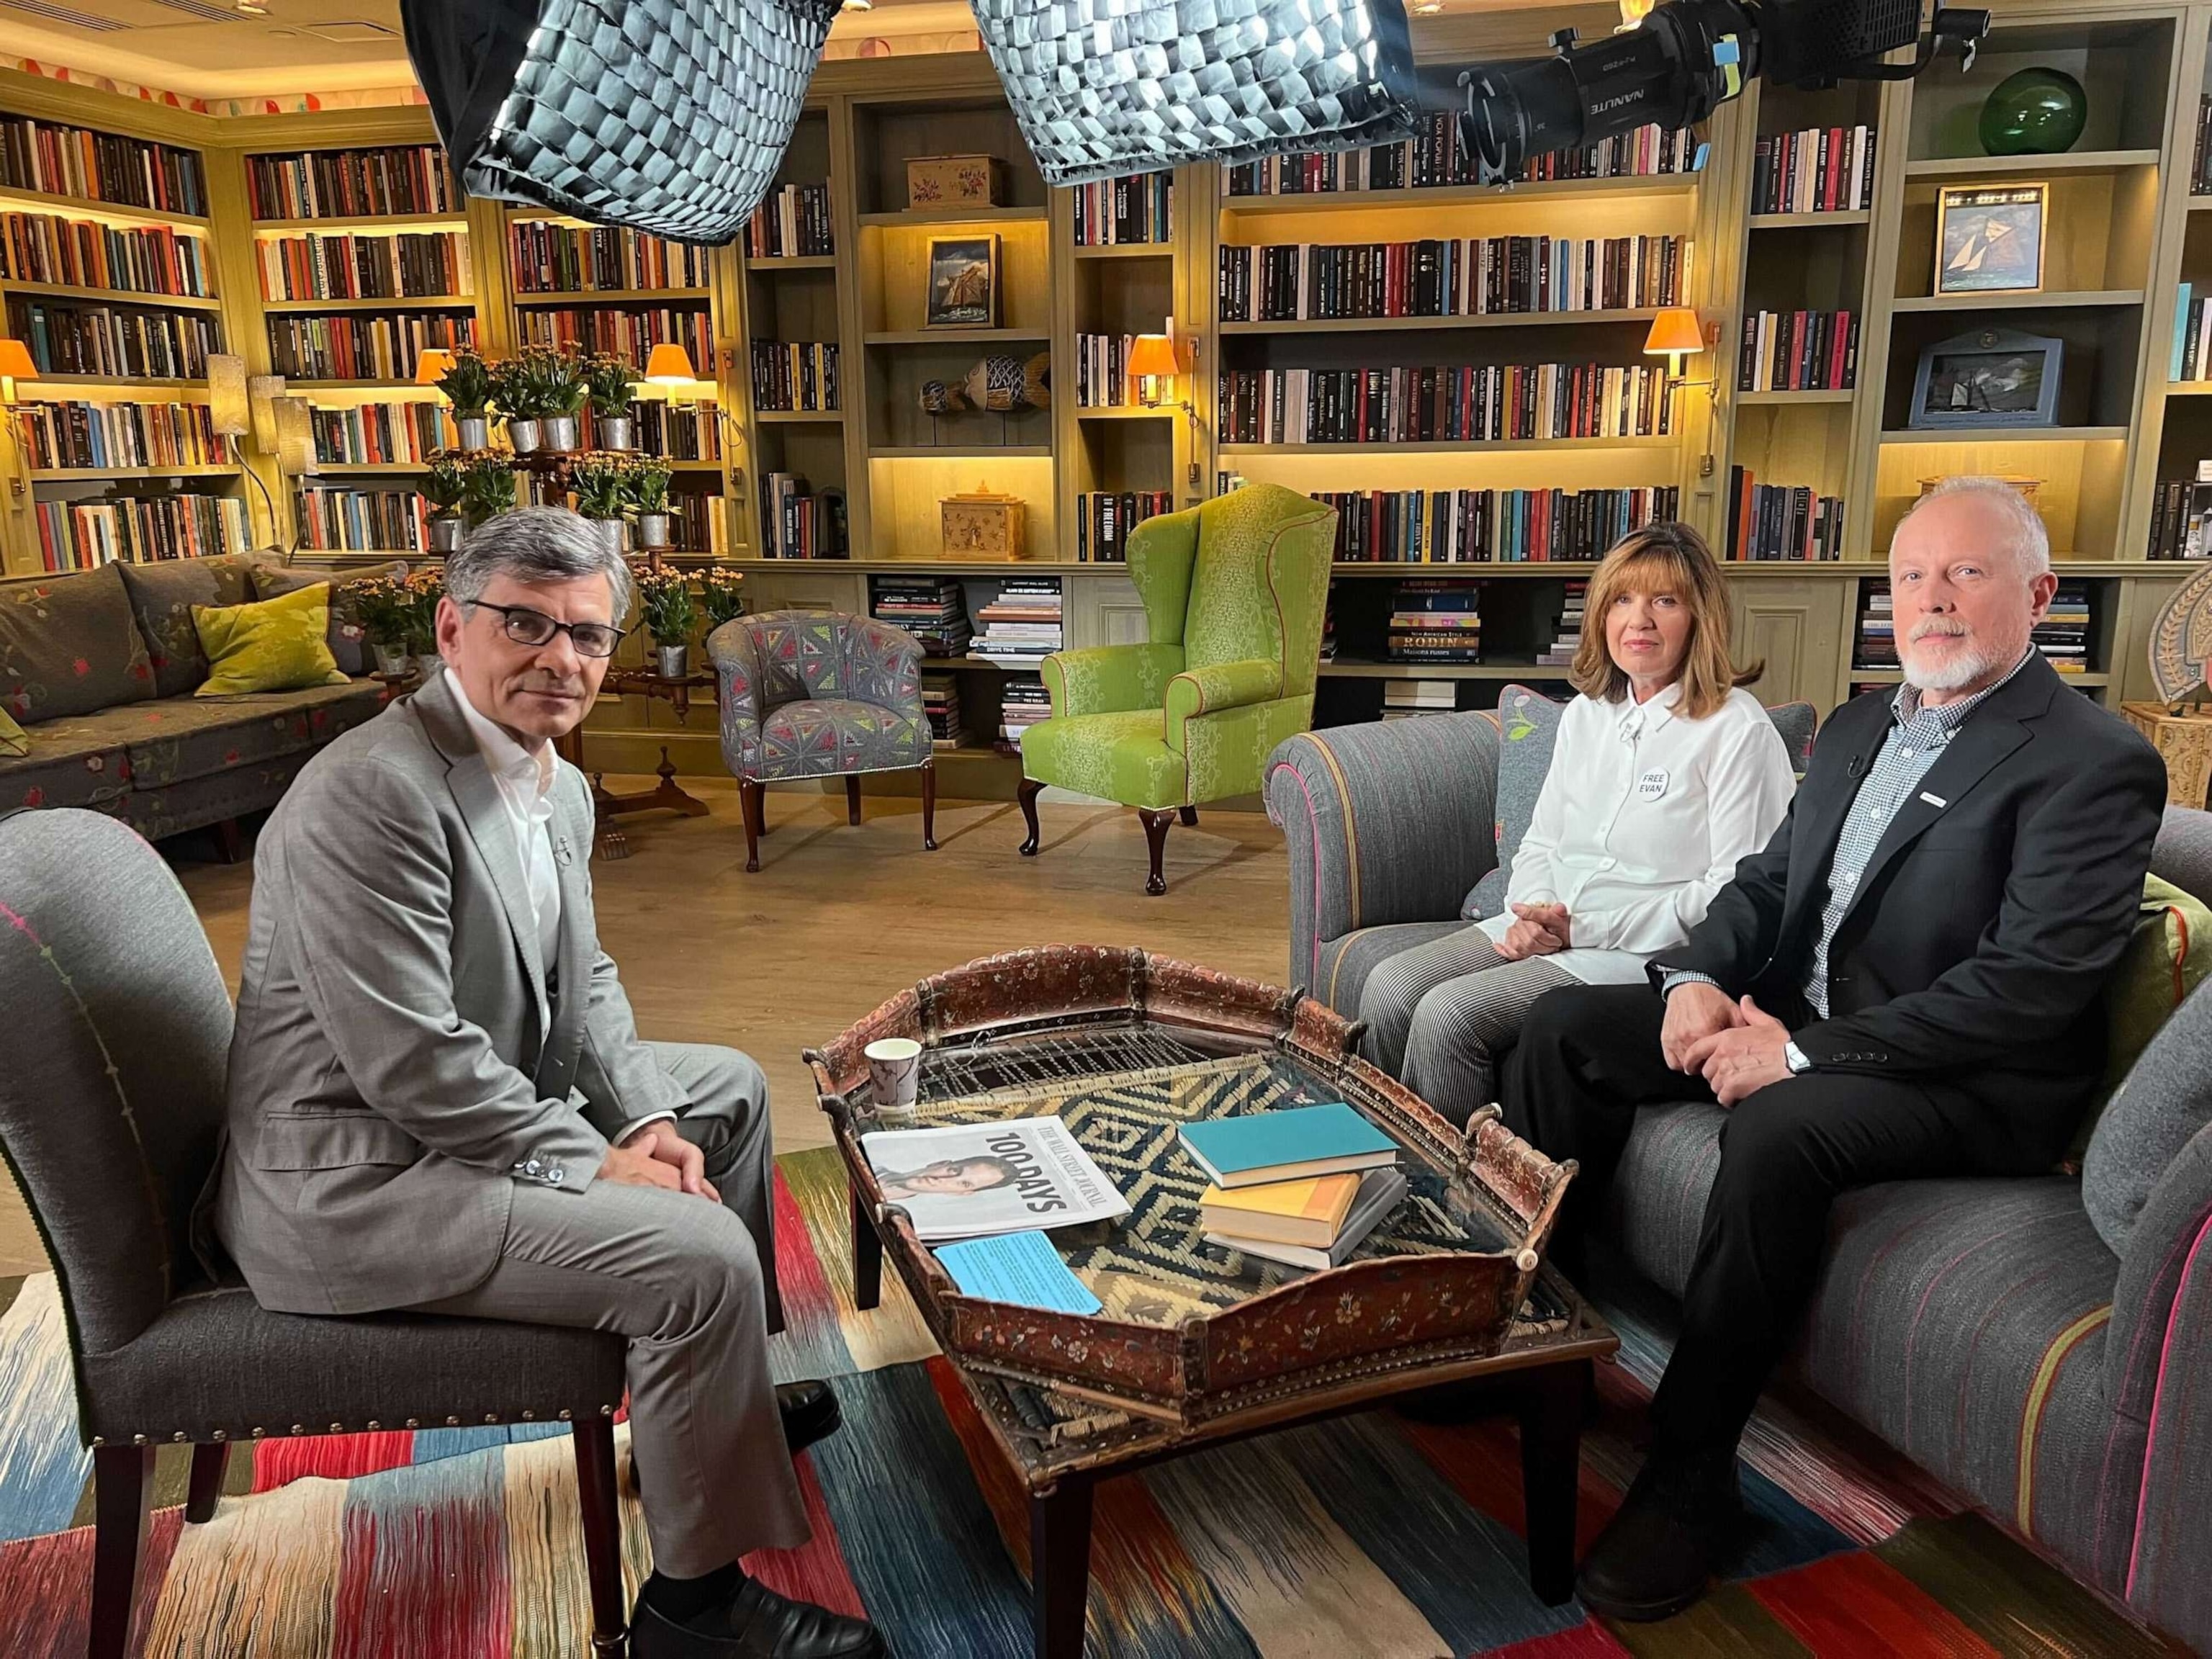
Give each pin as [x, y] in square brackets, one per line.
[982, 524]
[953, 181]
[2184, 742]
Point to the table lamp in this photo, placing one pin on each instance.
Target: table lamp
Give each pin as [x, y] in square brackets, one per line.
[431, 365]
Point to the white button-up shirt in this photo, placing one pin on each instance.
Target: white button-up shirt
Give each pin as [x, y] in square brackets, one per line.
[526, 789]
[1642, 820]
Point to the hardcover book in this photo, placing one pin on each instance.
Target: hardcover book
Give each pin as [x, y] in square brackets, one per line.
[1307, 1140]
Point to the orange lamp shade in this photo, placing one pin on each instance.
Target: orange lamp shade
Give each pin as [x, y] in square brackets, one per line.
[430, 368]
[1675, 330]
[1154, 355]
[670, 365]
[16, 362]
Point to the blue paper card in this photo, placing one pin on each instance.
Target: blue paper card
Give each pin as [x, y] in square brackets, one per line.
[1022, 1269]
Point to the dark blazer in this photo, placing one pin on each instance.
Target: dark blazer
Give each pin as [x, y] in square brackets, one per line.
[1985, 927]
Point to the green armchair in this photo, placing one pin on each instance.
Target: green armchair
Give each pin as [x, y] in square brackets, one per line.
[1234, 595]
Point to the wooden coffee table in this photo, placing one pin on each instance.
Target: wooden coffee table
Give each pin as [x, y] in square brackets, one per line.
[1197, 1346]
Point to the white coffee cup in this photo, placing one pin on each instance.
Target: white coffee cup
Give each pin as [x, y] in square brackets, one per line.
[894, 1073]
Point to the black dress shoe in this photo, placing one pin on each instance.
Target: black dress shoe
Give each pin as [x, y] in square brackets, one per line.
[1656, 1555]
[810, 1411]
[756, 1623]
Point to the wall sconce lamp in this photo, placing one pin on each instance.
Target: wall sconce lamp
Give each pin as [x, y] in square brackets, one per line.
[1677, 332]
[16, 364]
[1154, 362]
[670, 368]
[262, 391]
[231, 413]
[431, 364]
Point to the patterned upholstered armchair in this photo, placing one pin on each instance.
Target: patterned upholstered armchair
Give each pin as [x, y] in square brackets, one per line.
[809, 694]
[1234, 592]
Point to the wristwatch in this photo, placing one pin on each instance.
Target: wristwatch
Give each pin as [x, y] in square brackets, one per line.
[1794, 1057]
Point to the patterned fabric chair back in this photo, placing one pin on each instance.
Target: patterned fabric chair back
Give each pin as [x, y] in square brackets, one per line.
[802, 655]
[1260, 588]
[111, 1094]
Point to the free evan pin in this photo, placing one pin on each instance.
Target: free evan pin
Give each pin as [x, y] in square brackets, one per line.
[1652, 784]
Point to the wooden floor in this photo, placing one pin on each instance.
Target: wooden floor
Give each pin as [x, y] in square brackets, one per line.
[839, 918]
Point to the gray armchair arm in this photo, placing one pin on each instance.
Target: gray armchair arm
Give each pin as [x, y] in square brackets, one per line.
[1385, 823]
[741, 695]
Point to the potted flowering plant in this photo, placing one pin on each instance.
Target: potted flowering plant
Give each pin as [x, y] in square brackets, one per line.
[670, 617]
[601, 488]
[421, 591]
[609, 382]
[446, 486]
[648, 498]
[518, 392]
[488, 489]
[568, 393]
[384, 610]
[467, 385]
[721, 595]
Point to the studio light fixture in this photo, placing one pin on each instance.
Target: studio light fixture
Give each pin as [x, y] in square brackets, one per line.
[666, 116]
[1135, 86]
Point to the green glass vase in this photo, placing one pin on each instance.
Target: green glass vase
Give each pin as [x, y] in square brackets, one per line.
[2038, 112]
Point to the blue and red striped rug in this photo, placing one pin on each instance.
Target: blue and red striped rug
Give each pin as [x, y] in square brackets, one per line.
[1373, 1536]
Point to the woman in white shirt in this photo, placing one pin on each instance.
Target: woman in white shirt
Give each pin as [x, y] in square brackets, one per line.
[1664, 774]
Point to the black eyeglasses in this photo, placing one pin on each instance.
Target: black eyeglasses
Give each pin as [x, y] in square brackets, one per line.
[527, 626]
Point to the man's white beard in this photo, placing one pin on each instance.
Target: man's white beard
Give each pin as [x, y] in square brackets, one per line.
[1962, 670]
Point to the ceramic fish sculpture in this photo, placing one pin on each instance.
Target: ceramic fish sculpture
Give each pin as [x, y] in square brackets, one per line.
[1004, 384]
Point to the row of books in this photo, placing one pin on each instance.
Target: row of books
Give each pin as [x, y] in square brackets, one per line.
[1102, 371]
[347, 184]
[2200, 160]
[366, 265]
[795, 222]
[1815, 170]
[1874, 646]
[1445, 403]
[1113, 212]
[549, 258]
[380, 434]
[1567, 626]
[46, 248]
[2192, 335]
[64, 434]
[940, 706]
[1798, 351]
[2063, 637]
[934, 609]
[1105, 518]
[1434, 158]
[97, 339]
[1782, 521]
[2181, 520]
[631, 332]
[130, 530]
[333, 519]
[1435, 621]
[382, 347]
[1302, 1186]
[1482, 276]
[795, 376]
[1022, 624]
[1489, 527]
[58, 160]
[1023, 702]
[799, 522]
[678, 432]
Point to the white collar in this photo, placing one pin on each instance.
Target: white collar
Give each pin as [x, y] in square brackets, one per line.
[507, 759]
[1633, 717]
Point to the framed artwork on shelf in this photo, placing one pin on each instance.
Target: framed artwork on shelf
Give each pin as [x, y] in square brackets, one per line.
[1988, 238]
[963, 282]
[1991, 377]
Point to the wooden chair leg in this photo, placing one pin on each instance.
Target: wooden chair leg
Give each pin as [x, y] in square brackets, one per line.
[230, 839]
[1189, 816]
[853, 797]
[929, 806]
[1029, 792]
[209, 1460]
[122, 1480]
[1156, 838]
[594, 1438]
[750, 795]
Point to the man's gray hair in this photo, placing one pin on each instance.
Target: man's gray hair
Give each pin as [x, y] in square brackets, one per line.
[537, 544]
[2030, 540]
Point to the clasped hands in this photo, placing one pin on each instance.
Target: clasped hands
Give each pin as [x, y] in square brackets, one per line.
[1541, 929]
[656, 1156]
[1737, 1047]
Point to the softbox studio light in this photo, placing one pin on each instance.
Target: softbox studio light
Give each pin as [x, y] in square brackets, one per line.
[1107, 87]
[666, 116]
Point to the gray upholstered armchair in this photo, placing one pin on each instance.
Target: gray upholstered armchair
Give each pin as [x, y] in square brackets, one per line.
[110, 1109]
[810, 694]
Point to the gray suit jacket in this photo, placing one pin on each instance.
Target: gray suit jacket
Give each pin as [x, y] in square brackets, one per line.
[389, 1082]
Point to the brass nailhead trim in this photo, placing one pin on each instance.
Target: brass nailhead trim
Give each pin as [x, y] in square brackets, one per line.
[338, 1428]
[530, 1417]
[607, 1410]
[179, 1436]
[98, 1442]
[564, 1416]
[258, 1431]
[137, 1439]
[373, 1425]
[298, 1428]
[223, 1434]
[411, 1422]
[491, 1416]
[452, 1422]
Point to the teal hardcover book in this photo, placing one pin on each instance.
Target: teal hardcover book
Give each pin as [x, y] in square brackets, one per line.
[1290, 1145]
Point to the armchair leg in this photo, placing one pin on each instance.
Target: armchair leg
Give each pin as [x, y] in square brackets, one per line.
[750, 795]
[929, 805]
[1029, 790]
[1155, 837]
[1189, 816]
[209, 1460]
[121, 1477]
[594, 1438]
[853, 797]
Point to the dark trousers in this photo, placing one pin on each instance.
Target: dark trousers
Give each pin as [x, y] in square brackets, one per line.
[1589, 1058]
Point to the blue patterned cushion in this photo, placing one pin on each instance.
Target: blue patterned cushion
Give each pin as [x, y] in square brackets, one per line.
[1528, 727]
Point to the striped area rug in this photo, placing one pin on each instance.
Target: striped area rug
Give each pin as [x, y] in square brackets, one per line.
[1372, 1536]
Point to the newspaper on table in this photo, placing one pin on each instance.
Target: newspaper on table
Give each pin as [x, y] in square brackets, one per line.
[969, 1180]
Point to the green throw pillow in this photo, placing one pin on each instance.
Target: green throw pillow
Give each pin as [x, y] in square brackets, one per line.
[2170, 953]
[277, 645]
[14, 740]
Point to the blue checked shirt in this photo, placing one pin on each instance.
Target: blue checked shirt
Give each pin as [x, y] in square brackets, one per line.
[1917, 736]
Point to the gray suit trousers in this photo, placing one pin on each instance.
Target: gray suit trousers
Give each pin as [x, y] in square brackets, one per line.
[692, 1285]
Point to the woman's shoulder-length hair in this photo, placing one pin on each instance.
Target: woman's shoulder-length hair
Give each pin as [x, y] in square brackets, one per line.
[1664, 558]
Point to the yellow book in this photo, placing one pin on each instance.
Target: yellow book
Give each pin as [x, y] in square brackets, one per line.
[1308, 1211]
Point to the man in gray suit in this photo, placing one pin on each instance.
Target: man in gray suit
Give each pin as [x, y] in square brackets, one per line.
[439, 1099]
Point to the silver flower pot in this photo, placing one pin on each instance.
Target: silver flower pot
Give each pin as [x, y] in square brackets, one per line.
[528, 437]
[675, 660]
[560, 432]
[445, 535]
[653, 530]
[475, 429]
[391, 659]
[617, 432]
[614, 531]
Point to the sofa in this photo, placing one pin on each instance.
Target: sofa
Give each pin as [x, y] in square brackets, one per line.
[1982, 1327]
[99, 668]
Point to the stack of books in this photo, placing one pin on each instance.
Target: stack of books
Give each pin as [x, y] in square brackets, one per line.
[1405, 700]
[1022, 625]
[934, 609]
[940, 702]
[2063, 637]
[1302, 1186]
[1877, 636]
[1023, 702]
[1436, 621]
[1567, 638]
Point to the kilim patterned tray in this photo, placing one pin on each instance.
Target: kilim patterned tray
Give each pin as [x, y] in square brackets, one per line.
[1125, 1047]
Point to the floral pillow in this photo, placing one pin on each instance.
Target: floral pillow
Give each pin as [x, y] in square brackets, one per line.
[1527, 730]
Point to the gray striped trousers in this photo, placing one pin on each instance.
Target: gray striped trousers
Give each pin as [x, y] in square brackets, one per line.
[1438, 1015]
